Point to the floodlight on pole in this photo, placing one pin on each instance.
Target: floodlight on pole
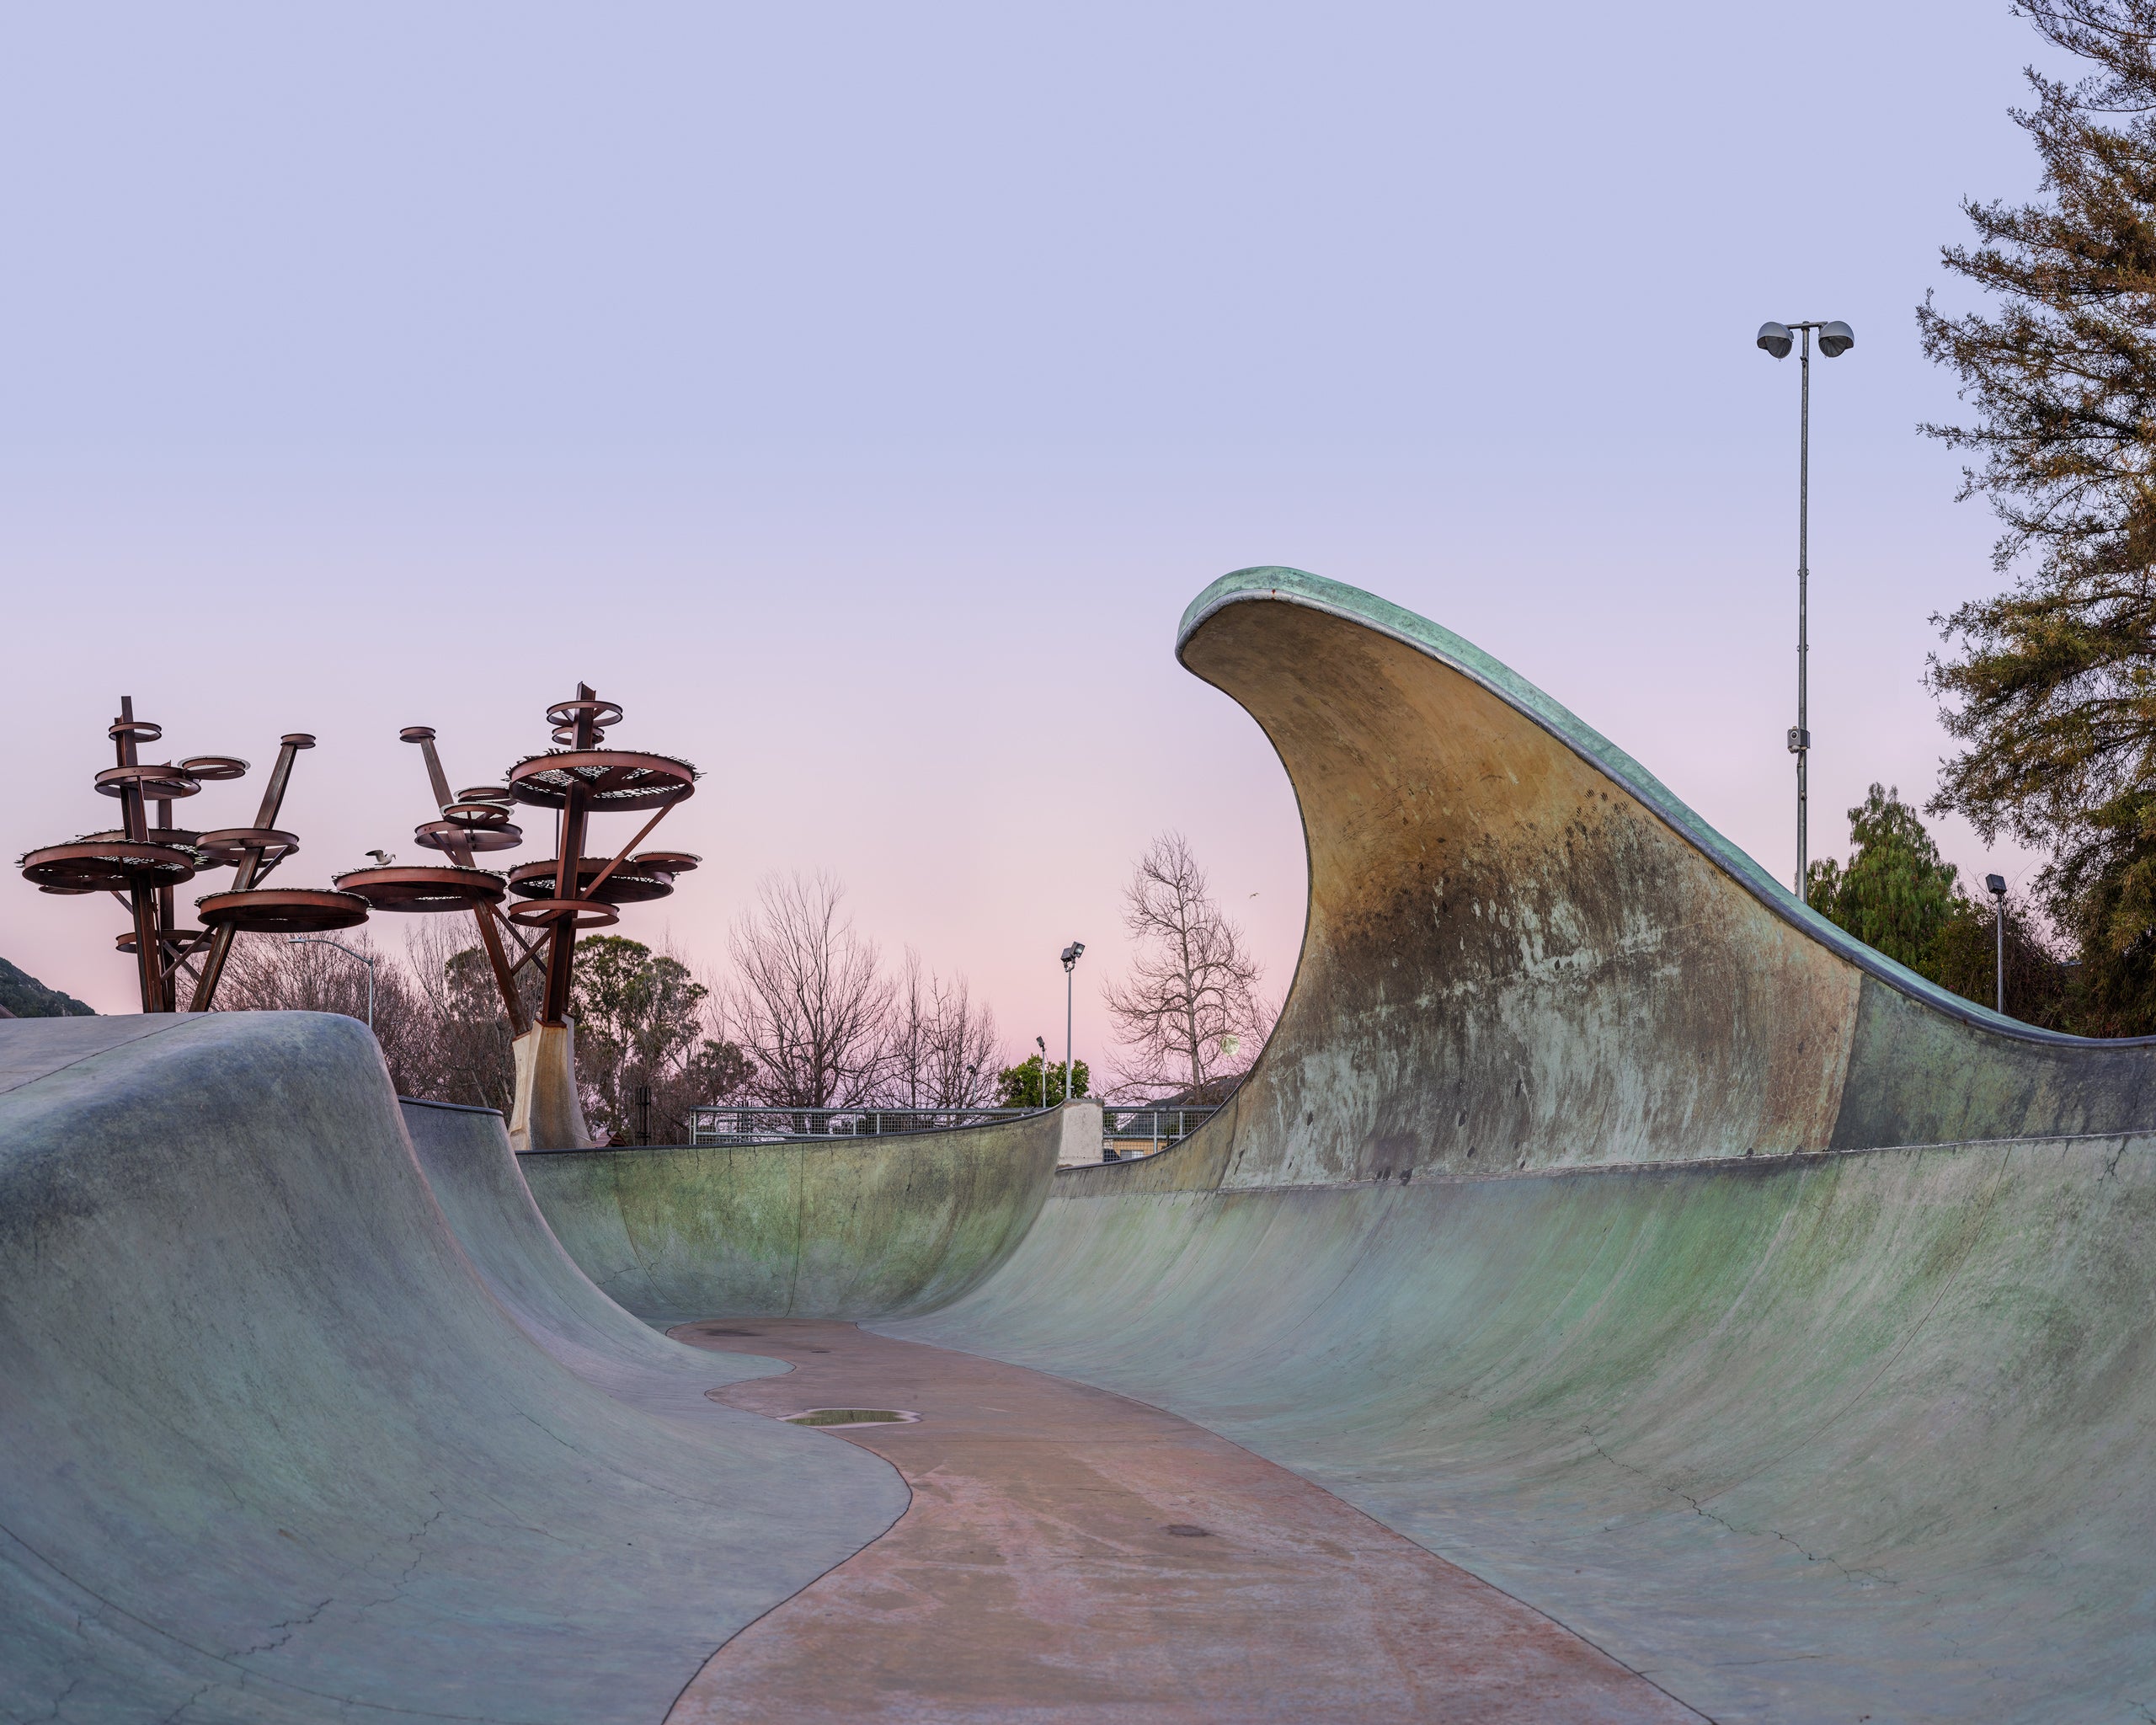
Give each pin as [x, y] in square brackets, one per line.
[1071, 954]
[1835, 339]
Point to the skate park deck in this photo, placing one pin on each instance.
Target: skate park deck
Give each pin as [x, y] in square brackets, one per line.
[1600, 1228]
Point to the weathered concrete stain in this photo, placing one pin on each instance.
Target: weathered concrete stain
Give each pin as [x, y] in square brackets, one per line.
[845, 1228]
[1554, 1226]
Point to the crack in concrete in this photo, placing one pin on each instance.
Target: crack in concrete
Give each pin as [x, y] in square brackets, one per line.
[171, 1718]
[59, 1701]
[290, 1625]
[1699, 1507]
[404, 1576]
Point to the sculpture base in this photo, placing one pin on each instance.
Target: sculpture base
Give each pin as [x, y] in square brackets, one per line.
[549, 1113]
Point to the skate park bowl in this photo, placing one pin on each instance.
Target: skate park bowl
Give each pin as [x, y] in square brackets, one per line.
[1598, 1219]
[834, 1229]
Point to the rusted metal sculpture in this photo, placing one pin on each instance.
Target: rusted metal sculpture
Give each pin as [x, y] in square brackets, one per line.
[143, 861]
[554, 899]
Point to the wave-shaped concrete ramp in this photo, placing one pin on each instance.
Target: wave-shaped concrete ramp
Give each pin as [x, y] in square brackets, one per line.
[1608, 1223]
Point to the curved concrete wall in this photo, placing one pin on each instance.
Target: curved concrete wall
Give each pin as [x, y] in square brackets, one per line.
[1522, 951]
[276, 1451]
[1869, 1433]
[848, 1228]
[1551, 1227]
[465, 1154]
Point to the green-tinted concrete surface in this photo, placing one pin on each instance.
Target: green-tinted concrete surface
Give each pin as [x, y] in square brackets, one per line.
[848, 1228]
[275, 1452]
[465, 1154]
[1560, 1225]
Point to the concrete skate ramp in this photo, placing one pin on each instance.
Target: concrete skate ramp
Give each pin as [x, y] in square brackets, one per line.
[1606, 1221]
[465, 1156]
[277, 1452]
[846, 1228]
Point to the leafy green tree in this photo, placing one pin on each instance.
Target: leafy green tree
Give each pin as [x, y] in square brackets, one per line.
[1024, 1086]
[1896, 894]
[2050, 687]
[641, 1023]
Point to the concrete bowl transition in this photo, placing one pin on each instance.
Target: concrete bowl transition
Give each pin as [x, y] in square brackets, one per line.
[1599, 1220]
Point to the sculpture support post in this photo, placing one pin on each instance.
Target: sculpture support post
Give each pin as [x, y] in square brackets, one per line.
[561, 952]
[250, 867]
[579, 779]
[547, 1113]
[460, 853]
[141, 895]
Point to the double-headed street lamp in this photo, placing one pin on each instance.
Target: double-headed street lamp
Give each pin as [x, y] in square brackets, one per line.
[1071, 954]
[1835, 339]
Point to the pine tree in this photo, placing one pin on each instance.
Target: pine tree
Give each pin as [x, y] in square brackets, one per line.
[2050, 687]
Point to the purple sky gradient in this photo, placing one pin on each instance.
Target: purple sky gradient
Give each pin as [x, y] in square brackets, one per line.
[859, 395]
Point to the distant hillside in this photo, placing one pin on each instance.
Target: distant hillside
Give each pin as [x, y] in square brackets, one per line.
[22, 995]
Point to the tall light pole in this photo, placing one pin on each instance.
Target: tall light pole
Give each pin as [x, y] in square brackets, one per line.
[316, 940]
[1835, 339]
[1071, 954]
[1996, 883]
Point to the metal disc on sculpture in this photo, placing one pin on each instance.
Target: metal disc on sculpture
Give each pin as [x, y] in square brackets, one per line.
[423, 890]
[562, 715]
[178, 838]
[209, 768]
[667, 862]
[186, 939]
[101, 864]
[159, 784]
[633, 883]
[282, 910]
[226, 845]
[498, 795]
[610, 779]
[448, 834]
[586, 913]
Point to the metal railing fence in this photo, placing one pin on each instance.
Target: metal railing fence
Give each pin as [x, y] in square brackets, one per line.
[767, 1125]
[1146, 1131]
[1142, 1130]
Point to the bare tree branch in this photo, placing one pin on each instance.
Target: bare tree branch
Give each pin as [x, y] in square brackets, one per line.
[1189, 1011]
[810, 1003]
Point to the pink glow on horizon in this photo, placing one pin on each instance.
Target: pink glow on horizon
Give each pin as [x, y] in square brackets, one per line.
[859, 403]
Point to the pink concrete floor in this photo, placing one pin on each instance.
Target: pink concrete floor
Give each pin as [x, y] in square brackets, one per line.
[1074, 1556]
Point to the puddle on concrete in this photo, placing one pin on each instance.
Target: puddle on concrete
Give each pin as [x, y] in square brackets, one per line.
[853, 1416]
[1188, 1530]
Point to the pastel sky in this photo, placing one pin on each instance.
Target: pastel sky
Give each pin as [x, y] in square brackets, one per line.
[858, 393]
